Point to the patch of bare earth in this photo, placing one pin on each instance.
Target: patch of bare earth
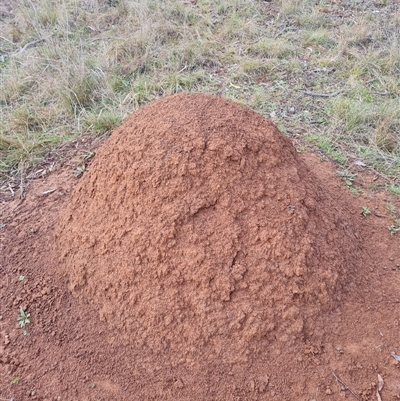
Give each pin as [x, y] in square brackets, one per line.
[272, 285]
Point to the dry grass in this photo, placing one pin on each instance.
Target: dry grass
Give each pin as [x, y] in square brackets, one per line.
[78, 67]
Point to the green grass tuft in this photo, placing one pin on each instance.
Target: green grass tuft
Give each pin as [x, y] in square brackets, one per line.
[327, 147]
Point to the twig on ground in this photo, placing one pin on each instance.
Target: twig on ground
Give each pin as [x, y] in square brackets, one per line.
[182, 69]
[107, 38]
[22, 49]
[29, 45]
[315, 94]
[346, 386]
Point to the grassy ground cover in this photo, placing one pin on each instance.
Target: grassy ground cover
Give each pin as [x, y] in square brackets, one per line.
[327, 72]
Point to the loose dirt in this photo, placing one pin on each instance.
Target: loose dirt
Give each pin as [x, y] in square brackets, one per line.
[199, 257]
[198, 228]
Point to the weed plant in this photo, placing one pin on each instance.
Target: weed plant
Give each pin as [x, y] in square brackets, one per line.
[23, 318]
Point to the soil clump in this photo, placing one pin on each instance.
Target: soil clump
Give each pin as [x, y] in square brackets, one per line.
[198, 231]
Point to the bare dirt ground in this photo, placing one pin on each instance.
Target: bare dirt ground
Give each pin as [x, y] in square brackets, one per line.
[68, 352]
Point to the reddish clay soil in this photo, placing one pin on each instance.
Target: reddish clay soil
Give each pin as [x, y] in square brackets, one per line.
[200, 257]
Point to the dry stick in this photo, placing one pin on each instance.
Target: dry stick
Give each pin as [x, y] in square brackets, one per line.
[322, 94]
[346, 386]
[28, 45]
[108, 38]
[22, 49]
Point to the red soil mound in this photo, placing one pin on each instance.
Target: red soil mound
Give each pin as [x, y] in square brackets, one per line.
[199, 231]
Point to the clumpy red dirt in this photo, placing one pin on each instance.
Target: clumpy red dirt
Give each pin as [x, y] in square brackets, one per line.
[199, 257]
[198, 229]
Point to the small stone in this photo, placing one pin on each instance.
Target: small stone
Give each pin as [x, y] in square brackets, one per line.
[33, 393]
[339, 349]
[328, 391]
[6, 339]
[179, 384]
